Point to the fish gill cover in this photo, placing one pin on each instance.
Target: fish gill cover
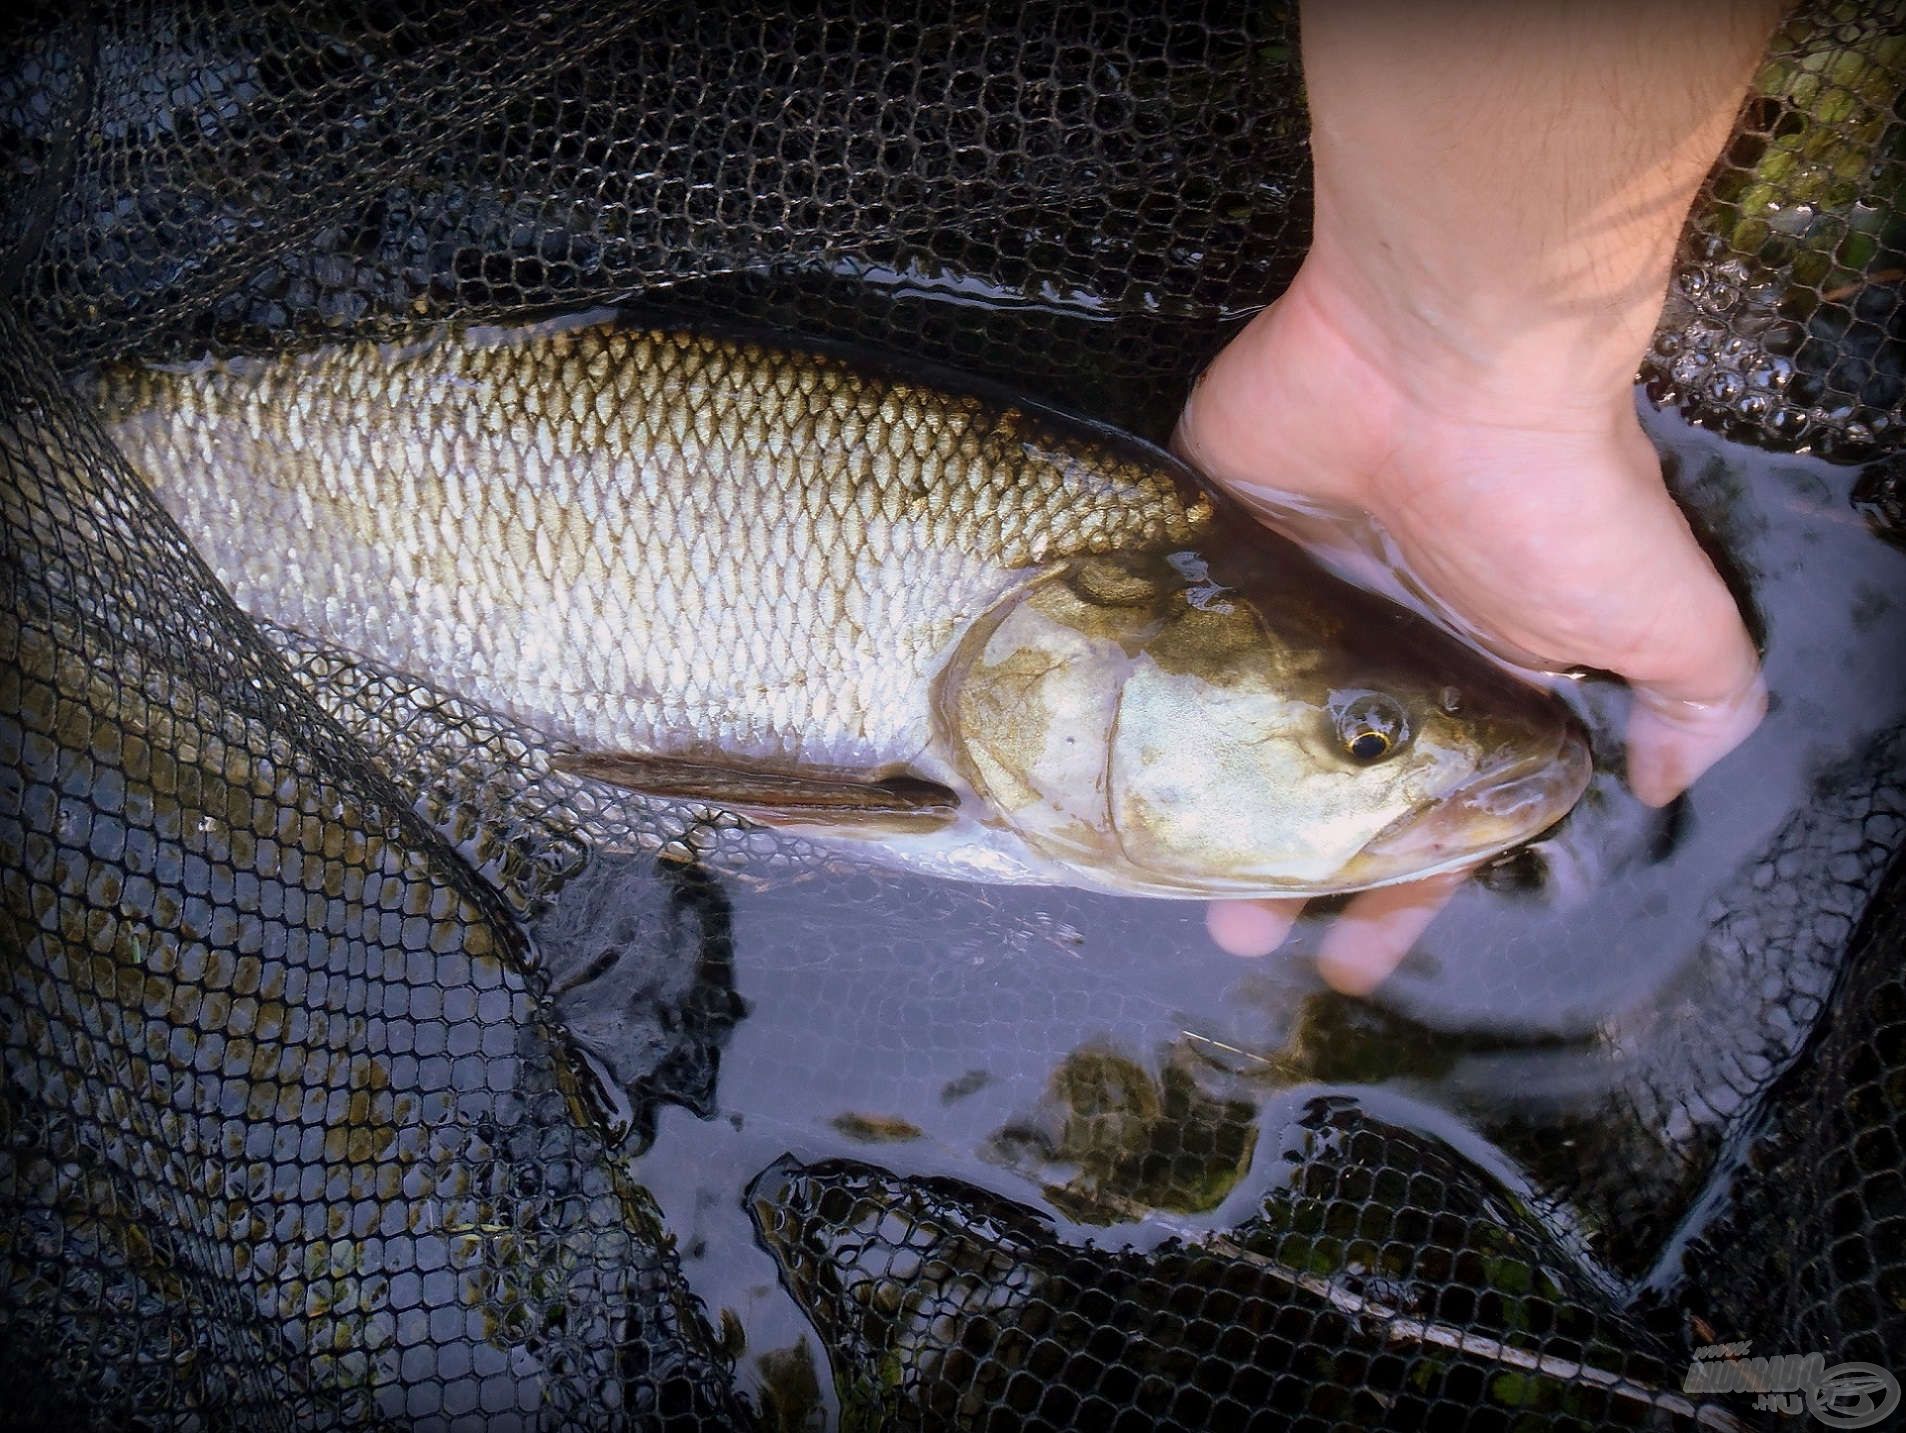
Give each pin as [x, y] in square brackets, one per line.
[305, 1123]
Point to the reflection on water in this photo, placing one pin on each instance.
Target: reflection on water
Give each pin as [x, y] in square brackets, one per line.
[1586, 1019]
[943, 1300]
[640, 957]
[1567, 1055]
[1134, 1141]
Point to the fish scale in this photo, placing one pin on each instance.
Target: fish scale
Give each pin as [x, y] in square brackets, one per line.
[962, 631]
[633, 540]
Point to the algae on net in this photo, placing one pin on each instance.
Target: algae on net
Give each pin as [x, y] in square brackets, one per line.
[1384, 1281]
[1134, 1141]
[1826, 195]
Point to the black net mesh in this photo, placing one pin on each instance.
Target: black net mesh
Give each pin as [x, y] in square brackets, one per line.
[244, 180]
[346, 1039]
[1683, 1077]
[1385, 1282]
[1786, 325]
[288, 1138]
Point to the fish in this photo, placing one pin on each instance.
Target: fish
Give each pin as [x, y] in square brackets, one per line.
[965, 633]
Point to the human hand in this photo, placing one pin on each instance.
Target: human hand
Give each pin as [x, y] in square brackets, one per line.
[1534, 516]
[1447, 385]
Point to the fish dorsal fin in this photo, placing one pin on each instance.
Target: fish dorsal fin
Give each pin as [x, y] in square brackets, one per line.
[857, 804]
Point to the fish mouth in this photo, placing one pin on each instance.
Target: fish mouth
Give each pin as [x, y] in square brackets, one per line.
[1502, 805]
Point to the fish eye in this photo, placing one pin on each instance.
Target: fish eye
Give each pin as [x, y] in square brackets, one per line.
[1371, 727]
[1369, 746]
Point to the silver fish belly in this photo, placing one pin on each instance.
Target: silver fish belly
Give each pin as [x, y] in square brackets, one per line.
[972, 636]
[636, 541]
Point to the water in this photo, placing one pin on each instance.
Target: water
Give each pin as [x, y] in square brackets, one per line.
[1029, 1041]
[1825, 595]
[1044, 1045]
[1577, 1036]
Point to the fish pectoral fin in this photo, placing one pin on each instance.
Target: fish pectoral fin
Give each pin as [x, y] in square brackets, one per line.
[856, 805]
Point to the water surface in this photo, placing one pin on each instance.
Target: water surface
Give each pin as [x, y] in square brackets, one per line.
[1099, 1059]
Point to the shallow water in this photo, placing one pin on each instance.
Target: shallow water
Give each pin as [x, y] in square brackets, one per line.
[1093, 1057]
[940, 1029]
[1581, 1028]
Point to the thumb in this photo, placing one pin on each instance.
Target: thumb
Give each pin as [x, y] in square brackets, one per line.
[1698, 689]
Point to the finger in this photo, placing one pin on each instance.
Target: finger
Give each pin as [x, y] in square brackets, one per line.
[1670, 743]
[1697, 679]
[1698, 693]
[1378, 928]
[1251, 929]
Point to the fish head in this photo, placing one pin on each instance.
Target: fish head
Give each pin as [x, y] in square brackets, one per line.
[1239, 722]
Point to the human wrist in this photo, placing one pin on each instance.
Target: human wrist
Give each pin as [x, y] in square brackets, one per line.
[1499, 190]
[1523, 342]
[1307, 411]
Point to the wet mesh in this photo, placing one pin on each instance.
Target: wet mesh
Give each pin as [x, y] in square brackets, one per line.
[1786, 323]
[289, 1139]
[1681, 1078]
[1386, 1282]
[336, 1023]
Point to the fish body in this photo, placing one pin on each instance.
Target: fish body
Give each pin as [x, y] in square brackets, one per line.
[805, 588]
